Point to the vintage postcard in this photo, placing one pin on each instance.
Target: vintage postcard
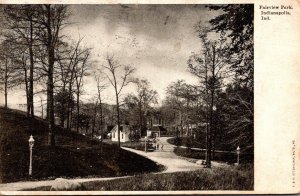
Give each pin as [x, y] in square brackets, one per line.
[148, 97]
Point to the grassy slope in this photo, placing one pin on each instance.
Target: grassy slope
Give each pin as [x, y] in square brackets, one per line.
[74, 155]
[229, 178]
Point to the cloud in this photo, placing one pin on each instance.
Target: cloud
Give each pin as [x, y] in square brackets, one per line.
[156, 39]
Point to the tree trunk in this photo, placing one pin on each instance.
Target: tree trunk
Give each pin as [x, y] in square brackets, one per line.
[5, 94]
[94, 119]
[50, 48]
[31, 72]
[69, 109]
[42, 109]
[211, 109]
[101, 125]
[118, 119]
[68, 113]
[62, 117]
[71, 117]
[140, 116]
[51, 105]
[27, 94]
[5, 83]
[77, 107]
[181, 124]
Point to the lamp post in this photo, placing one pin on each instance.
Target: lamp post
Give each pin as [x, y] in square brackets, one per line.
[145, 143]
[238, 151]
[31, 143]
[206, 130]
[209, 138]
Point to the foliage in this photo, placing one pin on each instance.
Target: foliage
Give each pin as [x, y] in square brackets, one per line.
[140, 105]
[61, 101]
[225, 72]
[237, 23]
[237, 101]
[134, 136]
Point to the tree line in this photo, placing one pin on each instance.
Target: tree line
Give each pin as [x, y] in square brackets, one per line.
[222, 101]
[37, 55]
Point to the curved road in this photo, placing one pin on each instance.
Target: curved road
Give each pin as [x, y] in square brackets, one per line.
[168, 158]
[165, 157]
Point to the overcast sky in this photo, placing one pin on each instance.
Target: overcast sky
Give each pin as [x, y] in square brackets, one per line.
[155, 39]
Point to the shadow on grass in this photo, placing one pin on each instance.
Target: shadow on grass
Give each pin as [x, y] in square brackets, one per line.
[73, 156]
[229, 178]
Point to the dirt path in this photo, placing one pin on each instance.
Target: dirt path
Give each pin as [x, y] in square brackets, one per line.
[168, 158]
[16, 186]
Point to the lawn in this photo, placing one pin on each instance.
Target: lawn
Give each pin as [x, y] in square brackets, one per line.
[74, 155]
[185, 141]
[138, 145]
[229, 157]
[225, 156]
[228, 178]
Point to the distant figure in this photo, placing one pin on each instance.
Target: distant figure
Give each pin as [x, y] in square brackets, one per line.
[162, 146]
[154, 143]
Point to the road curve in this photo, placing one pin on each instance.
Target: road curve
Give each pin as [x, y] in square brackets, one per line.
[167, 158]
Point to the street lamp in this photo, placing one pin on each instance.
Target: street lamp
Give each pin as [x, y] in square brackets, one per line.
[238, 151]
[145, 143]
[31, 143]
[214, 108]
[208, 137]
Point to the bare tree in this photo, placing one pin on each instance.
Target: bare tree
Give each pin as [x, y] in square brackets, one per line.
[145, 97]
[73, 60]
[114, 68]
[21, 31]
[9, 78]
[101, 86]
[51, 20]
[80, 71]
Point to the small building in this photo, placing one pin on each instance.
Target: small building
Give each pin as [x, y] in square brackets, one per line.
[156, 131]
[124, 133]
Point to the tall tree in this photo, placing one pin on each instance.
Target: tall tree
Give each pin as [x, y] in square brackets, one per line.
[73, 59]
[9, 76]
[115, 68]
[145, 97]
[81, 70]
[211, 67]
[101, 86]
[51, 20]
[236, 21]
[21, 25]
[181, 97]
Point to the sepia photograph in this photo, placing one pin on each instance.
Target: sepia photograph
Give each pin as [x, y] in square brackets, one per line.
[126, 97]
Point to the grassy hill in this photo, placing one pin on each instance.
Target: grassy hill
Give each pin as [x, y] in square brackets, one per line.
[223, 178]
[74, 155]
